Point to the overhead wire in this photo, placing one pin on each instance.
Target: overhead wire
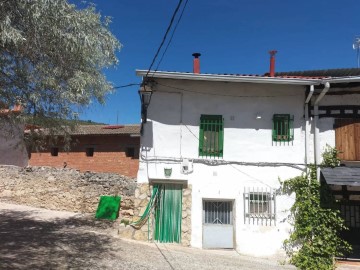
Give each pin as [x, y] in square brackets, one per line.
[172, 35]
[126, 85]
[164, 37]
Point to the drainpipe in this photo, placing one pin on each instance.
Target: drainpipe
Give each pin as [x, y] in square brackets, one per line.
[316, 133]
[307, 124]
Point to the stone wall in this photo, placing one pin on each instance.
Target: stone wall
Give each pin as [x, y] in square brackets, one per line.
[71, 190]
[64, 189]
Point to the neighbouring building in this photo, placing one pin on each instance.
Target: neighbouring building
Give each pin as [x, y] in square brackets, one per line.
[227, 140]
[12, 147]
[97, 148]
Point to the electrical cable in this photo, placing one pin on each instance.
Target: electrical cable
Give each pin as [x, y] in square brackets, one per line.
[164, 38]
[172, 35]
[126, 85]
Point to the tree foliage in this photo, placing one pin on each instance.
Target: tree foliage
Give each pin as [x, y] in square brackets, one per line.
[52, 56]
[314, 240]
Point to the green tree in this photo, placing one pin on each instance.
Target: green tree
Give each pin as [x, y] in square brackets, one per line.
[52, 56]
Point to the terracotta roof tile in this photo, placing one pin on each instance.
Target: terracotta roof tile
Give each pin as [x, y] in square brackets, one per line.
[106, 130]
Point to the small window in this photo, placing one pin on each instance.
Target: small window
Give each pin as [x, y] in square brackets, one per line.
[259, 203]
[54, 151]
[130, 151]
[89, 151]
[211, 136]
[283, 129]
[259, 206]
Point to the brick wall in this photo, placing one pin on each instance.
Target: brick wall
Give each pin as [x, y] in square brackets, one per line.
[110, 155]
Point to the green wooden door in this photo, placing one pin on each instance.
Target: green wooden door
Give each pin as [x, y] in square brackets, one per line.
[168, 213]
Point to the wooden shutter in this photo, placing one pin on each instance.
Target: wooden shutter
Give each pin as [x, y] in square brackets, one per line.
[347, 138]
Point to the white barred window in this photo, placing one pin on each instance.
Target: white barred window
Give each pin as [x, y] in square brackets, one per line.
[259, 206]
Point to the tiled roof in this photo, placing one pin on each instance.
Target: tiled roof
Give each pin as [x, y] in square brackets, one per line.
[342, 176]
[106, 130]
[322, 73]
[301, 74]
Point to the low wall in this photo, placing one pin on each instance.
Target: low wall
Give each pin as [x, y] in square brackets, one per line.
[64, 189]
[71, 190]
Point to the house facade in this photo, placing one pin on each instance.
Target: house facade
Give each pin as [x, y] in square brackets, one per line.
[227, 140]
[96, 148]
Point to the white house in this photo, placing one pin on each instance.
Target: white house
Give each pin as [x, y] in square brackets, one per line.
[227, 140]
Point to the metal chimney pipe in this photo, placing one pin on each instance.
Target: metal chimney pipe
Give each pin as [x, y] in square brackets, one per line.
[272, 62]
[196, 66]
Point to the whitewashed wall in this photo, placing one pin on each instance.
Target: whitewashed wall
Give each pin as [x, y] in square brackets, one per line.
[171, 135]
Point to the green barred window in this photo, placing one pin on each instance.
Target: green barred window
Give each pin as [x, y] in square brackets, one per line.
[211, 136]
[283, 128]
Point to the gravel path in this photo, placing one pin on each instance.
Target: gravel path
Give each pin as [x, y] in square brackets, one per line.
[32, 238]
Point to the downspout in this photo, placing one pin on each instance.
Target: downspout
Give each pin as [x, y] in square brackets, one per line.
[316, 133]
[307, 125]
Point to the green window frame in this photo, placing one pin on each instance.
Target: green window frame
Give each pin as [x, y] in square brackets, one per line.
[283, 128]
[211, 138]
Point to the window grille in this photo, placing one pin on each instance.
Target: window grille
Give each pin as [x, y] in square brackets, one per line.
[211, 136]
[259, 206]
[217, 212]
[283, 128]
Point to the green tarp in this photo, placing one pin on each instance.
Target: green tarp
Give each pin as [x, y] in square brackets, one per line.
[108, 207]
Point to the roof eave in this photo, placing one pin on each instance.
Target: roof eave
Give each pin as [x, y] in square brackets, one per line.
[347, 79]
[227, 78]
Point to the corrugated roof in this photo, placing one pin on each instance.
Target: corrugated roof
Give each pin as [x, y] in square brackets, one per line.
[342, 176]
[105, 130]
[322, 73]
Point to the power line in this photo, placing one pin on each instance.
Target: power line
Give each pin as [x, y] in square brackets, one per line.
[164, 38]
[172, 35]
[126, 85]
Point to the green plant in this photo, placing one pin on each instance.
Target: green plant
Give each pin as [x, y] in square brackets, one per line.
[314, 241]
[330, 157]
[125, 222]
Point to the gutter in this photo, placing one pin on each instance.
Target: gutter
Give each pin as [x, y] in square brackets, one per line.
[227, 78]
[307, 124]
[316, 133]
[347, 79]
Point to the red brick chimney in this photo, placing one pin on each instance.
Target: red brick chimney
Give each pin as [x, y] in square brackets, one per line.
[272, 62]
[196, 67]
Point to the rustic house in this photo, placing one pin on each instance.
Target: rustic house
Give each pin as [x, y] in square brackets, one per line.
[227, 139]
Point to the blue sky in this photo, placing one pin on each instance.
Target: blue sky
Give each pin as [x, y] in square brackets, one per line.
[233, 36]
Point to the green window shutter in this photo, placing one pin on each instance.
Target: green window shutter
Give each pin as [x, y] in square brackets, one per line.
[283, 128]
[211, 136]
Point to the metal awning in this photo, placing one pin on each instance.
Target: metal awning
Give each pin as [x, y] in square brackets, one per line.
[342, 176]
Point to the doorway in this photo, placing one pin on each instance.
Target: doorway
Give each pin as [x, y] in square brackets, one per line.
[218, 225]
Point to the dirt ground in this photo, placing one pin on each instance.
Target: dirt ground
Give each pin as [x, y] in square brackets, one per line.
[32, 238]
